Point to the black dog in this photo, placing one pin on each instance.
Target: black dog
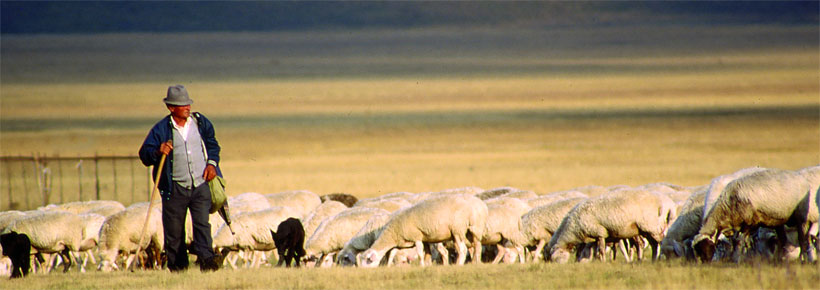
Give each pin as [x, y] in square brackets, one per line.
[289, 239]
[18, 248]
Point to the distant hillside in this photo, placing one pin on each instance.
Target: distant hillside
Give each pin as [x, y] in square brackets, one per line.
[24, 17]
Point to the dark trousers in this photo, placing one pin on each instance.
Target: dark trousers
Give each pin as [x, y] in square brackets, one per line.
[174, 209]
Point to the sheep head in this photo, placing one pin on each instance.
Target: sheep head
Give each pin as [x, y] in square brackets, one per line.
[559, 255]
[672, 249]
[704, 248]
[371, 258]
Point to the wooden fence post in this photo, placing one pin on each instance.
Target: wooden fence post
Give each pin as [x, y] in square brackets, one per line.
[97, 175]
[60, 172]
[114, 170]
[133, 182]
[80, 177]
[8, 183]
[25, 186]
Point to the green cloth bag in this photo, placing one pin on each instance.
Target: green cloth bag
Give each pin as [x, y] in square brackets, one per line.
[218, 196]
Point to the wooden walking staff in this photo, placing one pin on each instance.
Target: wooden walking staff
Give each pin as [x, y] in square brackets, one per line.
[150, 205]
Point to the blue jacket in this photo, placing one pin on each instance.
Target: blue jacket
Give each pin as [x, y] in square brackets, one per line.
[164, 131]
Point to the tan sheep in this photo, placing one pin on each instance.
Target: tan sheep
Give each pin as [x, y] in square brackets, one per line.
[388, 204]
[320, 213]
[771, 198]
[504, 229]
[51, 232]
[252, 233]
[622, 214]
[120, 234]
[455, 217]
[541, 222]
[362, 240]
[555, 196]
[335, 231]
[684, 227]
[302, 201]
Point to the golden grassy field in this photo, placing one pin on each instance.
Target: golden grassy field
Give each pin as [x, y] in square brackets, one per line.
[374, 136]
[680, 118]
[613, 275]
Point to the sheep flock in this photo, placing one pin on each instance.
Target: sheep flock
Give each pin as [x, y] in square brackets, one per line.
[751, 214]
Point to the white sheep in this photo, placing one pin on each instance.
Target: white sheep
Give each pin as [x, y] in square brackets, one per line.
[252, 232]
[408, 196]
[771, 198]
[677, 242]
[504, 229]
[247, 202]
[622, 214]
[540, 223]
[496, 192]
[596, 190]
[105, 210]
[8, 217]
[337, 230]
[455, 217]
[319, 214]
[684, 227]
[470, 190]
[717, 185]
[79, 207]
[302, 201]
[555, 196]
[362, 240]
[120, 234]
[92, 223]
[388, 204]
[51, 232]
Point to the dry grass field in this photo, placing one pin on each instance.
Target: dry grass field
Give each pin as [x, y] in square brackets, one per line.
[371, 124]
[614, 275]
[371, 137]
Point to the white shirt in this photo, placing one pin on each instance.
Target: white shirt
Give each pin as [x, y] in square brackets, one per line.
[184, 129]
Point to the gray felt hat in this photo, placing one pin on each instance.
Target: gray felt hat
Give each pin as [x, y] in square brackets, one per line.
[177, 96]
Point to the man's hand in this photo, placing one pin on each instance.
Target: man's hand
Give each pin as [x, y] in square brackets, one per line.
[210, 172]
[165, 148]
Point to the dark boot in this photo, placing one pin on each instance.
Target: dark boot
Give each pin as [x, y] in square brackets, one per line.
[210, 264]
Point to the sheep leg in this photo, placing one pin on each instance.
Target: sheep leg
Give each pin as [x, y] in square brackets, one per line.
[601, 249]
[445, 254]
[623, 248]
[476, 254]
[52, 263]
[128, 261]
[420, 251]
[79, 260]
[655, 250]
[390, 256]
[781, 242]
[639, 247]
[804, 242]
[461, 249]
[537, 254]
[811, 236]
[613, 249]
[500, 255]
[521, 254]
[256, 259]
[66, 255]
[232, 257]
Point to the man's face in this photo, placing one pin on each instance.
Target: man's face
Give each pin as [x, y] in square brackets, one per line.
[180, 111]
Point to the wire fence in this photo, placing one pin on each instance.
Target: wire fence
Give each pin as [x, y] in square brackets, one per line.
[28, 182]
